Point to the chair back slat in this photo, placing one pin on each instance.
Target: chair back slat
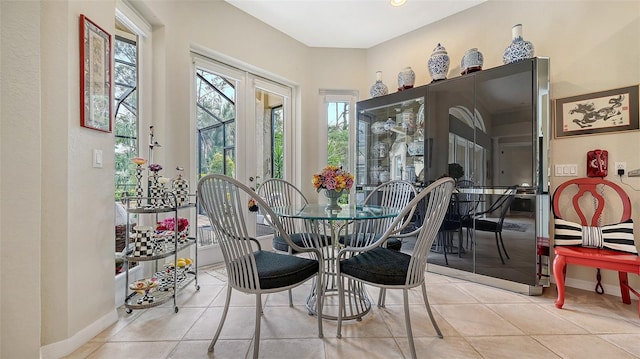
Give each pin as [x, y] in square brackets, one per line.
[438, 196]
[281, 193]
[395, 194]
[223, 202]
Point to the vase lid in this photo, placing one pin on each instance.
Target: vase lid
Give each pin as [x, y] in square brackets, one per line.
[439, 49]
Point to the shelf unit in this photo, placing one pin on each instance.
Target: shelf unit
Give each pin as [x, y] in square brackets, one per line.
[170, 279]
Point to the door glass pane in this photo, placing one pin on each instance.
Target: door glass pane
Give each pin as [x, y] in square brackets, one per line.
[215, 118]
[269, 135]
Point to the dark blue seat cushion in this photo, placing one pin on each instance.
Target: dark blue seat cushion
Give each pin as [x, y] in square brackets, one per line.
[392, 243]
[280, 244]
[379, 265]
[277, 270]
[486, 226]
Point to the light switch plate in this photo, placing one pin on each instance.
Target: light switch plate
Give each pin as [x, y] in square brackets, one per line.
[97, 158]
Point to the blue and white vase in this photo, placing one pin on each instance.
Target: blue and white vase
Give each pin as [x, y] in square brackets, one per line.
[378, 88]
[406, 78]
[519, 49]
[471, 61]
[439, 63]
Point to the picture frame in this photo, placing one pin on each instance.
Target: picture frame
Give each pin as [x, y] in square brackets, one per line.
[597, 113]
[96, 97]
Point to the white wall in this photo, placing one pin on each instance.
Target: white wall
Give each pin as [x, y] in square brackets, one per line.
[20, 180]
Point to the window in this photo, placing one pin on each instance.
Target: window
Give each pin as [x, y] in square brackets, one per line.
[215, 123]
[338, 107]
[126, 111]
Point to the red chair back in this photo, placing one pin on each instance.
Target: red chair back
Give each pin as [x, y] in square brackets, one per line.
[597, 187]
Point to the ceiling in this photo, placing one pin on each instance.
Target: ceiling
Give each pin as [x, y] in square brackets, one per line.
[349, 23]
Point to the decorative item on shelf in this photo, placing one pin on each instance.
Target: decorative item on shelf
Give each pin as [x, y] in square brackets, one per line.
[378, 88]
[181, 189]
[380, 149]
[408, 121]
[390, 124]
[406, 78]
[139, 161]
[145, 287]
[519, 49]
[168, 225]
[377, 128]
[384, 176]
[143, 241]
[335, 181]
[439, 63]
[154, 168]
[471, 61]
[415, 148]
[374, 173]
[409, 173]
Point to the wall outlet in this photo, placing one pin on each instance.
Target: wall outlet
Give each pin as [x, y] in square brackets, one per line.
[621, 168]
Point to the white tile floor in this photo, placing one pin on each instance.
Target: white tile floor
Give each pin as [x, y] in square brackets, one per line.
[477, 322]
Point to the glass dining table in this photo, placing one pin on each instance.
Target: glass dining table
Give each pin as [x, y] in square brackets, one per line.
[331, 230]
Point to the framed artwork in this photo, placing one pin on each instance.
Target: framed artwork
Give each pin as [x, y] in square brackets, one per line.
[600, 112]
[95, 76]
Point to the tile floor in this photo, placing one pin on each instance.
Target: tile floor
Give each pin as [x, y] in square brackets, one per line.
[477, 322]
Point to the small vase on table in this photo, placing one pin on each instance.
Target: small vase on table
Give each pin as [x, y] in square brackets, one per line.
[333, 197]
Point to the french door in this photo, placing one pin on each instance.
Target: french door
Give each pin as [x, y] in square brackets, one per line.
[243, 126]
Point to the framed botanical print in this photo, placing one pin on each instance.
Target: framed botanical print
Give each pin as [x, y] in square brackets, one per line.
[95, 76]
[600, 112]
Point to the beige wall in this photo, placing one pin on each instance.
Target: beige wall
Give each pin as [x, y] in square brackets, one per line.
[57, 211]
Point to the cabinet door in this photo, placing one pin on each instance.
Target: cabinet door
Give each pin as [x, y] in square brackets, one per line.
[390, 140]
[452, 151]
[505, 100]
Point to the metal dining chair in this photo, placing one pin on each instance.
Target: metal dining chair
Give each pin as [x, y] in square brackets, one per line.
[480, 221]
[249, 270]
[280, 193]
[395, 194]
[385, 268]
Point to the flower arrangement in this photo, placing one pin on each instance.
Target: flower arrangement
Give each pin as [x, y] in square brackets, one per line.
[154, 167]
[333, 178]
[168, 224]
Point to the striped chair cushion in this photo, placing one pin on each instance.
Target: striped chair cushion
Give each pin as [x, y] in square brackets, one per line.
[618, 236]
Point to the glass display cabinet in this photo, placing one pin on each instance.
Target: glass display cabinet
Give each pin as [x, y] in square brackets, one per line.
[390, 139]
[490, 131]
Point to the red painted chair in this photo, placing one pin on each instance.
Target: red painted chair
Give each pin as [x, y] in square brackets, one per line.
[570, 197]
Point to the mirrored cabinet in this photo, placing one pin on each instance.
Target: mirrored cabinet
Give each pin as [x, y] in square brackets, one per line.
[489, 130]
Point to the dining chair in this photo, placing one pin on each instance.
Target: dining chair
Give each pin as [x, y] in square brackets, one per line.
[384, 268]
[280, 193]
[395, 194]
[452, 224]
[487, 221]
[249, 270]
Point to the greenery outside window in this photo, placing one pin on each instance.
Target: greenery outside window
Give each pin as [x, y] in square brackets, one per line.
[126, 112]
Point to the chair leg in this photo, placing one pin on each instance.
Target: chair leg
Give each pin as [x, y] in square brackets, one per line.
[498, 246]
[426, 303]
[256, 336]
[503, 247]
[382, 297]
[407, 320]
[224, 316]
[319, 303]
[340, 301]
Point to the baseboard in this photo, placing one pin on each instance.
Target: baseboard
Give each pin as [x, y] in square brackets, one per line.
[610, 289]
[69, 345]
